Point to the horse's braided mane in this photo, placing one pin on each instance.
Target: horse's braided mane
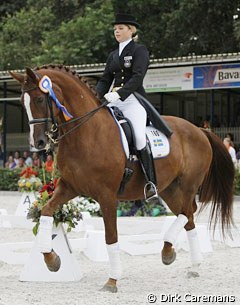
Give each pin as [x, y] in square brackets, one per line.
[88, 81]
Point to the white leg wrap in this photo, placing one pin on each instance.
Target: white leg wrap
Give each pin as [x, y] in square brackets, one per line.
[44, 236]
[174, 230]
[195, 251]
[114, 261]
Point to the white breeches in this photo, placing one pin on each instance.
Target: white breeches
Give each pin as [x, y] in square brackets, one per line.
[134, 111]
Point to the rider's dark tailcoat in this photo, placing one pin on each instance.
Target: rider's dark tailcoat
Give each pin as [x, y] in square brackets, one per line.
[127, 71]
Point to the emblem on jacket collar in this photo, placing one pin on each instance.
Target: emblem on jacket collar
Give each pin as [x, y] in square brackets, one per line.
[127, 61]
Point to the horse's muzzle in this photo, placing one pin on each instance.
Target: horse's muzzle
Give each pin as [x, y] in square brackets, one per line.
[40, 143]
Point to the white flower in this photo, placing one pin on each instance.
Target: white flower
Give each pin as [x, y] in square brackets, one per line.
[65, 208]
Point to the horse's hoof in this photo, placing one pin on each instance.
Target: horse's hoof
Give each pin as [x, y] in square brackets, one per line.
[109, 288]
[52, 261]
[169, 259]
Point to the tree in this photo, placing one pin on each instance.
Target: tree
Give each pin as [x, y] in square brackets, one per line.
[200, 27]
[236, 23]
[9, 7]
[179, 28]
[63, 10]
[22, 35]
[150, 15]
[84, 39]
[79, 31]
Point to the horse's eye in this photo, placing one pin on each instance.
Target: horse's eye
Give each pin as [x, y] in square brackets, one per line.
[39, 99]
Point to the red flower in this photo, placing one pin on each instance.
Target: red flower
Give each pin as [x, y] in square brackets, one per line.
[28, 172]
[49, 187]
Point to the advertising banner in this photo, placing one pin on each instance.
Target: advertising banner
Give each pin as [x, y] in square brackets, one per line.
[216, 76]
[169, 79]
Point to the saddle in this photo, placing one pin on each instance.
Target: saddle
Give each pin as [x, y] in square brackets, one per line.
[128, 130]
[152, 117]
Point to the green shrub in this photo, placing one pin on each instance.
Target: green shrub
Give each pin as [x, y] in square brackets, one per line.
[9, 179]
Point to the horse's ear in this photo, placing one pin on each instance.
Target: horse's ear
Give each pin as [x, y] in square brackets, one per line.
[32, 75]
[18, 76]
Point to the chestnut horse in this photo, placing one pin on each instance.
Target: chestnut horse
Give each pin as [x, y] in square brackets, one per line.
[91, 161]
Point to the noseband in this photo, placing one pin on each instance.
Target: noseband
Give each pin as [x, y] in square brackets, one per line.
[47, 119]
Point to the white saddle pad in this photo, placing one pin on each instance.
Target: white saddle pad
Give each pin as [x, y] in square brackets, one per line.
[159, 142]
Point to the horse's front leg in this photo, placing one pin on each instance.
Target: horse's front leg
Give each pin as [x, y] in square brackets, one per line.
[62, 194]
[110, 221]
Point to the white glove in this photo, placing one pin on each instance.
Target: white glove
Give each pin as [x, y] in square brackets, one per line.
[112, 97]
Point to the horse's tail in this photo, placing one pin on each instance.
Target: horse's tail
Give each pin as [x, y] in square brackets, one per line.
[217, 186]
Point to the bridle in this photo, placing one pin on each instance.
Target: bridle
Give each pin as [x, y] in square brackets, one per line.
[52, 133]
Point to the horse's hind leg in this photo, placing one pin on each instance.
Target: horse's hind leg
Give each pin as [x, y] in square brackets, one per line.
[194, 246]
[184, 209]
[61, 195]
[170, 237]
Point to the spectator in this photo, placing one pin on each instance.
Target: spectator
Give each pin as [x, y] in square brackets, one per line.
[21, 163]
[49, 163]
[36, 160]
[238, 154]
[227, 142]
[206, 125]
[16, 157]
[231, 137]
[27, 157]
[10, 162]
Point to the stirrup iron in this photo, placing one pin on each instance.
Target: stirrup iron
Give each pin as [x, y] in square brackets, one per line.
[155, 194]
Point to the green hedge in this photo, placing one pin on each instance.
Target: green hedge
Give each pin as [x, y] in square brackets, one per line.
[9, 178]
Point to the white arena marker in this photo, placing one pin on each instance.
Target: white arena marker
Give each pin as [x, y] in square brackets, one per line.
[35, 270]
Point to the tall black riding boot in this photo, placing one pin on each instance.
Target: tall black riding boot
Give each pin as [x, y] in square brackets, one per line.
[146, 161]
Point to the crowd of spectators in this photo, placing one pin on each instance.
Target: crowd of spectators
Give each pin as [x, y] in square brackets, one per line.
[27, 159]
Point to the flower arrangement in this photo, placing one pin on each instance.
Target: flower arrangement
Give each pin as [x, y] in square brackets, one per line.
[70, 213]
[29, 182]
[88, 205]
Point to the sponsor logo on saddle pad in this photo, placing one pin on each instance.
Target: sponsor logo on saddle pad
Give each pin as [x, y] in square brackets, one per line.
[159, 142]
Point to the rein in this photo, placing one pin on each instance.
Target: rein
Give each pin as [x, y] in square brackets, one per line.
[83, 119]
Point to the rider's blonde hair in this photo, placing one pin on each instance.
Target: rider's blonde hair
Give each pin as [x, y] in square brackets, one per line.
[134, 32]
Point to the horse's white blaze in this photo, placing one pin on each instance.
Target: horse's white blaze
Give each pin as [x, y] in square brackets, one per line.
[30, 117]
